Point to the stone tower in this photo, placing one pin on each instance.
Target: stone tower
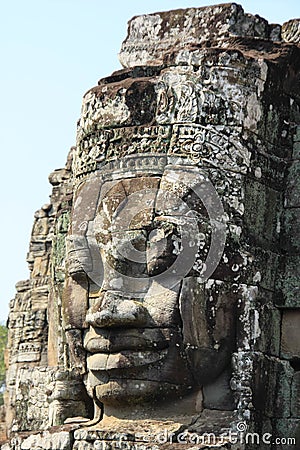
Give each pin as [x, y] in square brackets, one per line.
[162, 305]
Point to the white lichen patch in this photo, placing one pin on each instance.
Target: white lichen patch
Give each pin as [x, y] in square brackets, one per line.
[250, 330]
[257, 172]
[256, 332]
[257, 277]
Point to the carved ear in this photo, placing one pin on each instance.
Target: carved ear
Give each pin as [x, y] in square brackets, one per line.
[75, 303]
[78, 256]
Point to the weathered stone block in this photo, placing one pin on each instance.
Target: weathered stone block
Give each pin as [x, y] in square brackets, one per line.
[262, 213]
[292, 196]
[54, 441]
[290, 334]
[59, 411]
[39, 297]
[152, 36]
[261, 428]
[31, 403]
[29, 352]
[218, 394]
[297, 134]
[77, 353]
[296, 150]
[296, 142]
[272, 381]
[290, 237]
[273, 129]
[259, 267]
[212, 421]
[268, 320]
[288, 286]
[286, 434]
[53, 331]
[210, 341]
[296, 395]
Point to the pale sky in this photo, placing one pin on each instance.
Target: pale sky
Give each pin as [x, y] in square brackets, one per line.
[52, 52]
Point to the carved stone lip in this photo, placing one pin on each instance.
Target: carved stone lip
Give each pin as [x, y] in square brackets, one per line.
[124, 360]
[132, 340]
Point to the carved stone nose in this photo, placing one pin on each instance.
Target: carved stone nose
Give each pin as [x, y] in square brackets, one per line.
[115, 311]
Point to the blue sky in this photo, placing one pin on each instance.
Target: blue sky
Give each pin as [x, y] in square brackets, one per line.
[52, 51]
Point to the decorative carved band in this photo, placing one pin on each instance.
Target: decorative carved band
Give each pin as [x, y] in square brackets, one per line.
[212, 145]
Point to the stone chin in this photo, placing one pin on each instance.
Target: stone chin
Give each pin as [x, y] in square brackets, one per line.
[136, 392]
[137, 377]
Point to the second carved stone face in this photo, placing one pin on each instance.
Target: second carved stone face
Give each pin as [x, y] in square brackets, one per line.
[156, 330]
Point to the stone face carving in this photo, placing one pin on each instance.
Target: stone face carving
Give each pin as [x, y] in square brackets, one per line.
[141, 343]
[164, 272]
